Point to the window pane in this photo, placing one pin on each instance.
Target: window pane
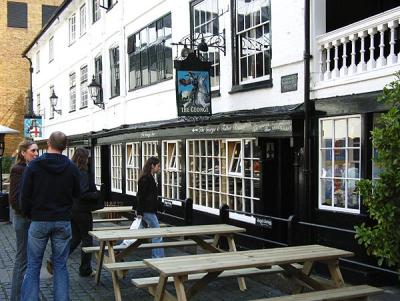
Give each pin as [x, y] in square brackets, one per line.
[326, 133]
[340, 162]
[326, 192]
[354, 132]
[340, 132]
[145, 67]
[339, 193]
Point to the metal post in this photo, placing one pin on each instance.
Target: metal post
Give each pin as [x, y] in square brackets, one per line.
[1, 175]
[224, 214]
[188, 213]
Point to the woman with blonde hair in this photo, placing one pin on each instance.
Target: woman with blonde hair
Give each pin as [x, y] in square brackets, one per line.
[27, 151]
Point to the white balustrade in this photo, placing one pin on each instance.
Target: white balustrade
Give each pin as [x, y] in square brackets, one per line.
[362, 45]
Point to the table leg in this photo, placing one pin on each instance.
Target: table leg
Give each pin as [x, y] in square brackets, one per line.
[200, 284]
[160, 290]
[204, 245]
[303, 278]
[111, 255]
[307, 268]
[100, 261]
[180, 288]
[336, 275]
[216, 240]
[232, 248]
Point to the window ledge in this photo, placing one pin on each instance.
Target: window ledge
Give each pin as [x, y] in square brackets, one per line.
[81, 108]
[149, 85]
[251, 86]
[71, 111]
[215, 93]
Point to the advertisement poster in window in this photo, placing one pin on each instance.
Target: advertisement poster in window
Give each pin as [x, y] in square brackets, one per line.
[193, 88]
[33, 127]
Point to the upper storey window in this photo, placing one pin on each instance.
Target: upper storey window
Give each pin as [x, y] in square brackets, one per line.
[252, 40]
[72, 29]
[96, 10]
[150, 54]
[17, 14]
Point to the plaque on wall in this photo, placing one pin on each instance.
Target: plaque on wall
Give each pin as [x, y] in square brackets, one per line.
[33, 127]
[289, 83]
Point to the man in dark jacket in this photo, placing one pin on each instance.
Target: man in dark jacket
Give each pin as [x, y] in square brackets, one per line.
[50, 184]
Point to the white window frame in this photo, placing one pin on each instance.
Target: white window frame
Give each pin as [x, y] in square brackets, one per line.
[51, 49]
[82, 19]
[38, 104]
[84, 86]
[171, 187]
[116, 167]
[217, 190]
[72, 92]
[133, 168]
[322, 175]
[96, 10]
[149, 149]
[38, 61]
[72, 29]
[254, 53]
[97, 166]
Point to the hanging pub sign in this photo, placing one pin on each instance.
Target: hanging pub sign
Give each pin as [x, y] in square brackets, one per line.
[193, 88]
[33, 127]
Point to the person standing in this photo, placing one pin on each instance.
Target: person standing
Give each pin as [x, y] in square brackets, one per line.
[27, 151]
[82, 220]
[50, 183]
[148, 202]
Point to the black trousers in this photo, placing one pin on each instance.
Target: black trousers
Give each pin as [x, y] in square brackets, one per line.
[82, 223]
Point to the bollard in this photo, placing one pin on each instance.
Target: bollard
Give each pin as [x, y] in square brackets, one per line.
[188, 213]
[224, 218]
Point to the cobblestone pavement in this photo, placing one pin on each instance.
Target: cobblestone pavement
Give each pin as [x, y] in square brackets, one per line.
[85, 289]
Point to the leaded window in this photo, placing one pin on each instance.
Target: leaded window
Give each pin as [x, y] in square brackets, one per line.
[114, 66]
[339, 163]
[223, 171]
[97, 165]
[150, 54]
[149, 149]
[38, 108]
[51, 49]
[82, 19]
[98, 73]
[38, 62]
[253, 40]
[84, 87]
[116, 167]
[72, 29]
[72, 92]
[132, 167]
[171, 169]
[96, 10]
[51, 114]
[205, 21]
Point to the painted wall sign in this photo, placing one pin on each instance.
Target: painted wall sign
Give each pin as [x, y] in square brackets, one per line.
[289, 83]
[193, 88]
[33, 127]
[266, 128]
[264, 222]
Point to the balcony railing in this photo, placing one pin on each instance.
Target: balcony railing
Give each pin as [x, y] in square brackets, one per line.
[369, 44]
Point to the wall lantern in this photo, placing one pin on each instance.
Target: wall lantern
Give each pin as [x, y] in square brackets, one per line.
[53, 101]
[95, 93]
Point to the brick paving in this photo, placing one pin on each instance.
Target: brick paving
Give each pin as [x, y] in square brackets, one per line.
[85, 289]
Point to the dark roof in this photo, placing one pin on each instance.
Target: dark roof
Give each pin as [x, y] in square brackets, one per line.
[54, 17]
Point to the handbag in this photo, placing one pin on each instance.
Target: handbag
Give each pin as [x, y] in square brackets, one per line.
[134, 226]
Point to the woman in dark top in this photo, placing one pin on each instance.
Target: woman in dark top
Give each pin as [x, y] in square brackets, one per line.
[82, 219]
[27, 151]
[148, 202]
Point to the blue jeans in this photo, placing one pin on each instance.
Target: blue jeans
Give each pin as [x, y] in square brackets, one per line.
[40, 232]
[21, 227]
[152, 222]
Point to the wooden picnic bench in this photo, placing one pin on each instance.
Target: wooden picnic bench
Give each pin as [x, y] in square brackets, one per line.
[181, 268]
[190, 233]
[356, 293]
[114, 209]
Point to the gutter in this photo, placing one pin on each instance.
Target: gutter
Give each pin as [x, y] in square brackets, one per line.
[30, 103]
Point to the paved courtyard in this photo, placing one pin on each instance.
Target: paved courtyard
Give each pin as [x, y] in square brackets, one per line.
[85, 289]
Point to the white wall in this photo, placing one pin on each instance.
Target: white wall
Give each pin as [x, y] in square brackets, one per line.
[156, 102]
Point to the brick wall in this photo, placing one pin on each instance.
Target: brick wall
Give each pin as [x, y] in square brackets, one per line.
[14, 70]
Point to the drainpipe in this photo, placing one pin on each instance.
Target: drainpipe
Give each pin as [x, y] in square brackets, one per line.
[30, 102]
[306, 200]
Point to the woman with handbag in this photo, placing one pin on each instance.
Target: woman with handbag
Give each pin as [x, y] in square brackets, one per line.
[148, 202]
[82, 220]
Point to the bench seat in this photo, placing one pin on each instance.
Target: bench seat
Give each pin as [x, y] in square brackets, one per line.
[111, 228]
[164, 244]
[153, 281]
[123, 266]
[359, 292]
[105, 220]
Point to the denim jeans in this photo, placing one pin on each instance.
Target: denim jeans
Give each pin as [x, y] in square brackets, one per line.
[152, 222]
[59, 232]
[21, 227]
